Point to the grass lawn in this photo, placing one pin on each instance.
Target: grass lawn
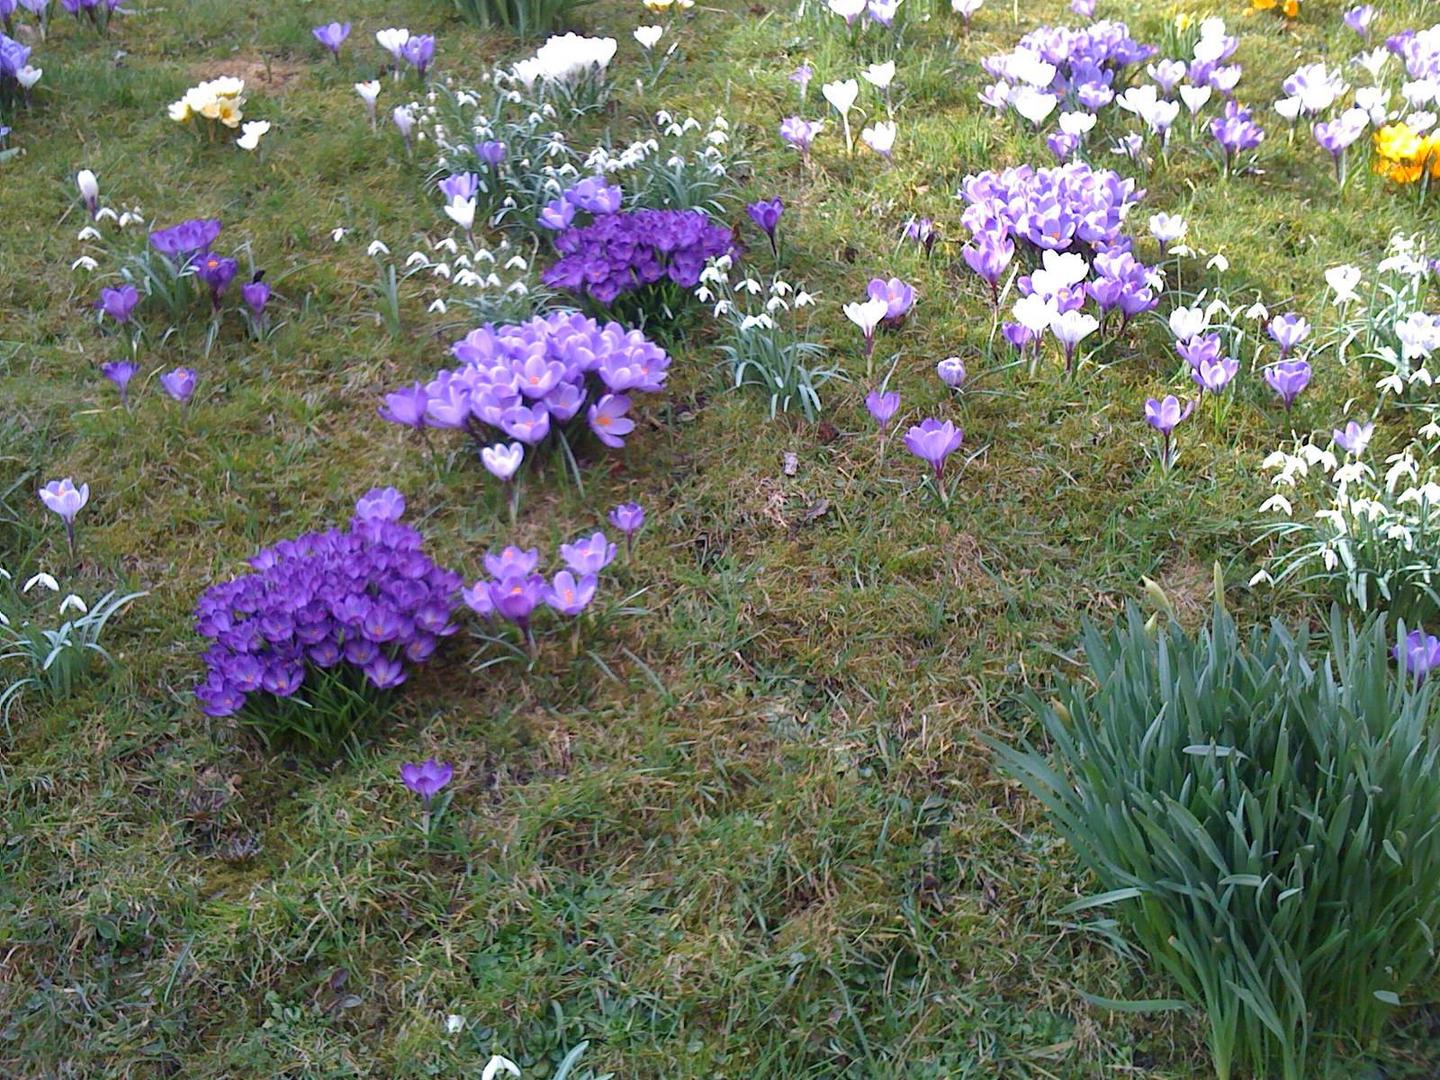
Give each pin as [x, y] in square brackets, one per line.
[750, 826]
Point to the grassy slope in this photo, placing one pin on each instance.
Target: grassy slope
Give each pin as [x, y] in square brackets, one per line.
[795, 859]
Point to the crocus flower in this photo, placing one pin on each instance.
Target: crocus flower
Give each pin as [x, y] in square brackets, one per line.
[590, 555]
[427, 778]
[1287, 379]
[89, 190]
[1165, 414]
[841, 94]
[515, 598]
[418, 51]
[1070, 328]
[502, 460]
[1359, 19]
[880, 137]
[882, 406]
[1287, 331]
[118, 303]
[1167, 229]
[989, 256]
[332, 36]
[368, 92]
[608, 420]
[933, 441]
[649, 36]
[1418, 654]
[62, 497]
[899, 297]
[951, 371]
[406, 406]
[1353, 438]
[251, 132]
[922, 231]
[404, 121]
[966, 9]
[801, 77]
[216, 272]
[867, 317]
[568, 596]
[180, 384]
[629, 518]
[1214, 375]
[766, 214]
[380, 504]
[800, 133]
[256, 295]
[120, 372]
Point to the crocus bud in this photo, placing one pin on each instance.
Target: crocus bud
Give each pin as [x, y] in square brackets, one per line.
[89, 190]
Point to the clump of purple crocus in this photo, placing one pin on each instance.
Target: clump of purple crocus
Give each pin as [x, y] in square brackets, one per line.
[181, 243]
[1288, 378]
[354, 605]
[623, 252]
[1085, 64]
[514, 591]
[527, 381]
[1052, 208]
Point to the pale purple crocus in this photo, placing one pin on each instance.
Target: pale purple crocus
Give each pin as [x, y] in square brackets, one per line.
[1359, 19]
[332, 36]
[882, 406]
[989, 256]
[608, 420]
[590, 555]
[568, 595]
[951, 371]
[180, 384]
[427, 778]
[800, 133]
[1214, 375]
[1288, 378]
[932, 441]
[1353, 438]
[64, 499]
[1165, 415]
[629, 518]
[899, 298]
[766, 214]
[1287, 331]
[120, 372]
[801, 77]
[1418, 654]
[380, 504]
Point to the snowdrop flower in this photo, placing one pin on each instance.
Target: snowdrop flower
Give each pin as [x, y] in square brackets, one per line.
[496, 1065]
[250, 134]
[42, 579]
[454, 1024]
[73, 601]
[649, 36]
[377, 247]
[85, 262]
[89, 232]
[1342, 281]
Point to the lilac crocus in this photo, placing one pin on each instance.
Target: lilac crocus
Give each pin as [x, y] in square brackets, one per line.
[1165, 415]
[380, 504]
[1353, 438]
[801, 77]
[989, 256]
[899, 298]
[629, 518]
[63, 498]
[1359, 19]
[1214, 375]
[1287, 379]
[418, 51]
[951, 371]
[766, 214]
[118, 303]
[407, 406]
[882, 406]
[932, 441]
[427, 778]
[608, 420]
[590, 555]
[570, 596]
[180, 384]
[922, 231]
[800, 133]
[515, 598]
[491, 152]
[120, 372]
[1287, 331]
[332, 36]
[1418, 654]
[1236, 132]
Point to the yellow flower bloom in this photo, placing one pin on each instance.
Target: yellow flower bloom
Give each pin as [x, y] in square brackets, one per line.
[1184, 21]
[657, 5]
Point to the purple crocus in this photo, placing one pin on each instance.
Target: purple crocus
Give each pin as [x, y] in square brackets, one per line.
[590, 555]
[801, 77]
[516, 597]
[798, 132]
[933, 441]
[1287, 379]
[882, 406]
[922, 231]
[629, 518]
[427, 778]
[418, 51]
[569, 596]
[951, 371]
[332, 36]
[1287, 331]
[256, 295]
[989, 256]
[216, 272]
[1353, 438]
[1166, 414]
[180, 384]
[766, 214]
[118, 303]
[608, 420]
[120, 372]
[899, 298]
[1214, 375]
[1236, 132]
[1418, 654]
[1359, 19]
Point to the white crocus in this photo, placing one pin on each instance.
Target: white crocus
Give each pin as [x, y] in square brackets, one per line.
[251, 132]
[1342, 281]
[880, 75]
[649, 36]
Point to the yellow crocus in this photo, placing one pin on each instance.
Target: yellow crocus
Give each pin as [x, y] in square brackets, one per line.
[228, 113]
